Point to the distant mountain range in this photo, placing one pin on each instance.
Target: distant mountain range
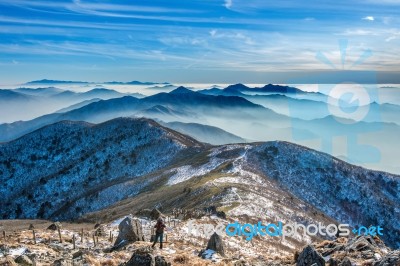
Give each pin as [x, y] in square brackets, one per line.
[237, 115]
[156, 106]
[135, 82]
[266, 113]
[70, 169]
[28, 103]
[241, 89]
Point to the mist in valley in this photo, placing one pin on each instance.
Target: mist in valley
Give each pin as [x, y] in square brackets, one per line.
[238, 113]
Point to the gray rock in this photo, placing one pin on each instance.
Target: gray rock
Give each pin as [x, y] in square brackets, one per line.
[160, 261]
[78, 254]
[346, 262]
[215, 243]
[391, 259]
[24, 260]
[362, 243]
[333, 262]
[310, 257]
[130, 230]
[141, 260]
[62, 262]
[55, 226]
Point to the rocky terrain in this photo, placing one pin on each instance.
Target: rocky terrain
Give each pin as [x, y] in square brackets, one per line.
[88, 244]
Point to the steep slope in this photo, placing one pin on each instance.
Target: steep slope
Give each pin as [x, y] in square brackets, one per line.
[68, 168]
[346, 192]
[275, 181]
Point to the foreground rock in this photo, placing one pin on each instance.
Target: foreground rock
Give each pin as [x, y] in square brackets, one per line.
[310, 257]
[145, 257]
[215, 243]
[24, 260]
[130, 230]
[214, 247]
[361, 250]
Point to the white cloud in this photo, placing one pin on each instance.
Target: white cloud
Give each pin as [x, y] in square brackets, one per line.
[213, 33]
[228, 4]
[369, 18]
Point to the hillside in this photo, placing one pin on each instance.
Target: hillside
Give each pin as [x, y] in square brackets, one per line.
[100, 172]
[68, 168]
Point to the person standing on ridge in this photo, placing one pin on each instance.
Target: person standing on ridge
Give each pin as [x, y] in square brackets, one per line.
[160, 225]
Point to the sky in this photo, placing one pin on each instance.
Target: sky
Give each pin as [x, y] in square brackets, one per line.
[203, 41]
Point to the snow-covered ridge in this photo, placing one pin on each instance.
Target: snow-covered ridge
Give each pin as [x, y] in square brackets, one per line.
[69, 168]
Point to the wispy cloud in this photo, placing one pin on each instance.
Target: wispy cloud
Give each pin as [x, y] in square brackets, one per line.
[358, 32]
[231, 35]
[369, 18]
[394, 34]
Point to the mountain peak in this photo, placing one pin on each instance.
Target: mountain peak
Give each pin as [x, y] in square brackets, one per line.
[280, 88]
[238, 86]
[181, 90]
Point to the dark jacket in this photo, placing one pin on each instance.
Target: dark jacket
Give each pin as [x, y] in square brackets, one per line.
[160, 227]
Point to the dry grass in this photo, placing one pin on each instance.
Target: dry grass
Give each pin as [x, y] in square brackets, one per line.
[323, 244]
[92, 260]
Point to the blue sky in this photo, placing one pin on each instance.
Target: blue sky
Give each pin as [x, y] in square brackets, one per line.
[209, 41]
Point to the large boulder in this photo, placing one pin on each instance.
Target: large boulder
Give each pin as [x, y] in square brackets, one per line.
[23, 260]
[310, 257]
[160, 261]
[141, 260]
[130, 230]
[215, 243]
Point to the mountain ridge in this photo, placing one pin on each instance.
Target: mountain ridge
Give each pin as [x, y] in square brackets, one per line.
[94, 167]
